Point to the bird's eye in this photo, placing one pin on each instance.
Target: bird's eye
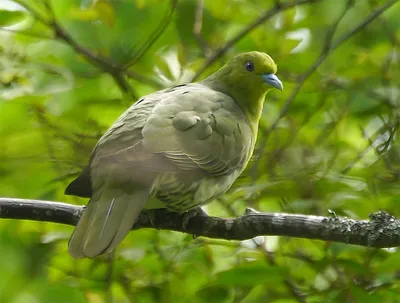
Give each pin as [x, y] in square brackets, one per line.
[249, 66]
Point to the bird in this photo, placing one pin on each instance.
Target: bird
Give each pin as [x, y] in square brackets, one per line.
[176, 148]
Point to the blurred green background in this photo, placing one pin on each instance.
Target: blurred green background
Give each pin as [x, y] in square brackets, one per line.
[68, 69]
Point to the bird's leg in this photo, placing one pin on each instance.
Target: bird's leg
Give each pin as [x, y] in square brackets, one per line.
[147, 216]
[190, 214]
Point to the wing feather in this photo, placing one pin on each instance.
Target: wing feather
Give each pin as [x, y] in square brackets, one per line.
[199, 129]
[188, 128]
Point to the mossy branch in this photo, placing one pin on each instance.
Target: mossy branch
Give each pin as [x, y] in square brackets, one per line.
[382, 230]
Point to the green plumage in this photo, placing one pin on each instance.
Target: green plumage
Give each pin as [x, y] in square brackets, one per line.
[177, 148]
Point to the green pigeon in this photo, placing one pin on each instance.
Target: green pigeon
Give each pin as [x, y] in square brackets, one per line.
[177, 148]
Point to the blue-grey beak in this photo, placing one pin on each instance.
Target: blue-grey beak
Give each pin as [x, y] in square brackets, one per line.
[273, 80]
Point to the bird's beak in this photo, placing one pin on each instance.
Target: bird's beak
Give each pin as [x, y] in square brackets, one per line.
[273, 80]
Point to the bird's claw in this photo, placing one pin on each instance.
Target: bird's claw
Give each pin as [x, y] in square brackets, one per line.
[187, 216]
[250, 211]
[332, 213]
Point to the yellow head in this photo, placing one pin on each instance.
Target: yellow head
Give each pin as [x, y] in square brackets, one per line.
[247, 78]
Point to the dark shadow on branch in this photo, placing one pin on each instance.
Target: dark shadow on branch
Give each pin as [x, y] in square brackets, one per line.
[382, 230]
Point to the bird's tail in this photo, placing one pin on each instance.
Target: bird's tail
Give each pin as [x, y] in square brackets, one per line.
[106, 221]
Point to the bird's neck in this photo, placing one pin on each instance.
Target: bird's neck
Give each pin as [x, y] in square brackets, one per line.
[250, 101]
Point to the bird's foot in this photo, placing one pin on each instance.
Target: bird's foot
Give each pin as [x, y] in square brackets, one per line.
[250, 211]
[190, 214]
[332, 213]
[151, 218]
[146, 217]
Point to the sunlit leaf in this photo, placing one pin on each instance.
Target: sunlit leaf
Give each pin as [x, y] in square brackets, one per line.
[250, 274]
[8, 18]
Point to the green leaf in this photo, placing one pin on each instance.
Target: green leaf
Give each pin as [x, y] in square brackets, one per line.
[215, 294]
[251, 274]
[361, 295]
[8, 18]
[106, 12]
[390, 263]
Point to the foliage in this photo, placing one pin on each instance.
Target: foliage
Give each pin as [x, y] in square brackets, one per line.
[68, 69]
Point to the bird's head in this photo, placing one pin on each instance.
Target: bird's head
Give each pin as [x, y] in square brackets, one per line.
[255, 70]
[247, 78]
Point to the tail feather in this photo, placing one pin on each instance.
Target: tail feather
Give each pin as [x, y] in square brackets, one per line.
[106, 222]
[75, 244]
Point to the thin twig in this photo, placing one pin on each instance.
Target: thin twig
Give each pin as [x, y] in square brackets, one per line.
[104, 64]
[139, 77]
[328, 47]
[60, 34]
[33, 12]
[197, 28]
[245, 31]
[153, 36]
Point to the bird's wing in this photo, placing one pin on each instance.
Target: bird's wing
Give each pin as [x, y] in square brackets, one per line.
[199, 128]
[185, 128]
[120, 144]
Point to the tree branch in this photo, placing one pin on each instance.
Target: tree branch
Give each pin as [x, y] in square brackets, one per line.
[153, 36]
[382, 230]
[105, 64]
